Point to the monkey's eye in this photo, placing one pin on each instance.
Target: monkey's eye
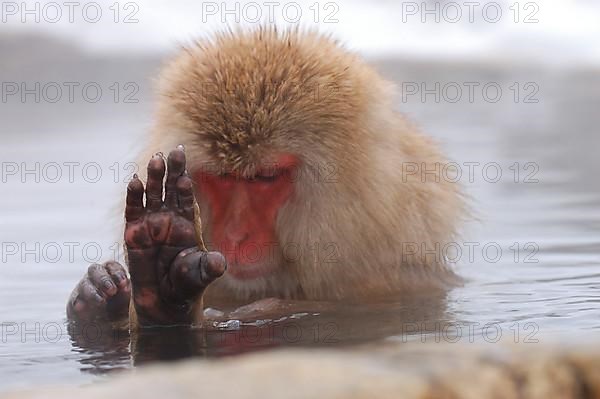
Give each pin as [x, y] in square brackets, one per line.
[266, 178]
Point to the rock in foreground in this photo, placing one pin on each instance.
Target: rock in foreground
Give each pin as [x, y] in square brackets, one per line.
[384, 371]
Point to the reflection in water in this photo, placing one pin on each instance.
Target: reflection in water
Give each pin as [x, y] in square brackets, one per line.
[101, 349]
[335, 327]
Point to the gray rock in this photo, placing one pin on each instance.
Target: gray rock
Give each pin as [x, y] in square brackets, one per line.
[391, 370]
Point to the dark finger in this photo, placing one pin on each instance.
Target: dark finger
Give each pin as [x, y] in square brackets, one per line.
[134, 206]
[186, 196]
[117, 307]
[213, 265]
[175, 168]
[103, 282]
[89, 294]
[117, 273]
[193, 270]
[76, 307]
[154, 185]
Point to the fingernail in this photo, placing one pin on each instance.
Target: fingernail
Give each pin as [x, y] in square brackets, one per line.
[217, 263]
[109, 285]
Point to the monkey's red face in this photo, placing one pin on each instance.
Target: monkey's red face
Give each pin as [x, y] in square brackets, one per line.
[244, 211]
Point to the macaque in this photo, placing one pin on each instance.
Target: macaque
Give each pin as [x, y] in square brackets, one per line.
[310, 186]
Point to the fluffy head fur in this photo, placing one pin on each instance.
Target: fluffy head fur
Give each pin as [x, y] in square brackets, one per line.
[241, 98]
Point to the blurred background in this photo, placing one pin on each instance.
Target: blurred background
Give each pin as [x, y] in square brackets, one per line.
[510, 90]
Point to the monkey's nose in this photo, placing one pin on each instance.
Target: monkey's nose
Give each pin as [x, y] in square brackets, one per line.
[236, 235]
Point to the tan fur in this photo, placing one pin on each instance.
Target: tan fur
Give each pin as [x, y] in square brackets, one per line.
[237, 100]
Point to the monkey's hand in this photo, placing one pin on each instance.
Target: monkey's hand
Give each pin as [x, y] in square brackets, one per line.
[102, 294]
[168, 272]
